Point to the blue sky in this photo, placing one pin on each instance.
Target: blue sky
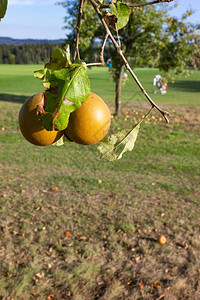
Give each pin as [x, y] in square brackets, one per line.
[43, 19]
[38, 19]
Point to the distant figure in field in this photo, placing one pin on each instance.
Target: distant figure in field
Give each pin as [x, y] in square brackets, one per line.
[109, 63]
[95, 57]
[164, 88]
[158, 83]
[125, 76]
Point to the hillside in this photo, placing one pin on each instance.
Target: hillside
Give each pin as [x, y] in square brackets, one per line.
[11, 41]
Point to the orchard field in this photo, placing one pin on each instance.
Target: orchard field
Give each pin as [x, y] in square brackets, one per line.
[74, 226]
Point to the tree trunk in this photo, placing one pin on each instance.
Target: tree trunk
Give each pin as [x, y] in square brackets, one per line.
[118, 89]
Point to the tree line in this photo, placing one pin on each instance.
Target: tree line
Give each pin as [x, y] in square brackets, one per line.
[27, 53]
[32, 53]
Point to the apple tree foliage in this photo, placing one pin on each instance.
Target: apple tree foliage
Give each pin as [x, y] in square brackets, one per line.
[67, 86]
[152, 37]
[3, 8]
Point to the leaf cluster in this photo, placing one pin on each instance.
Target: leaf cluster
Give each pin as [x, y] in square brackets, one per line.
[67, 86]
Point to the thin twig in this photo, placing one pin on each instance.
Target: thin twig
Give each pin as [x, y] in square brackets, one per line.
[93, 64]
[140, 4]
[80, 12]
[101, 53]
[118, 48]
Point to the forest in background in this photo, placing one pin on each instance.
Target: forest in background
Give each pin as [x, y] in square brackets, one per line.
[27, 53]
[38, 51]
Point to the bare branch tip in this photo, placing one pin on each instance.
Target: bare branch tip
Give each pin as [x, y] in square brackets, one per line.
[167, 120]
[165, 116]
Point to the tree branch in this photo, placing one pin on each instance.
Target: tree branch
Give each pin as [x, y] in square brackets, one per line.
[118, 48]
[140, 4]
[80, 12]
[101, 53]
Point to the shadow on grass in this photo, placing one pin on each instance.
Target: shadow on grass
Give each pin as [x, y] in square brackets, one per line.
[148, 239]
[13, 98]
[191, 86]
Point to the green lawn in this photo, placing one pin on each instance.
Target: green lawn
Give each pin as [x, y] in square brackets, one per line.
[19, 80]
[176, 94]
[76, 227]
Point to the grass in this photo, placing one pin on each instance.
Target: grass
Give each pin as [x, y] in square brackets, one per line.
[77, 227]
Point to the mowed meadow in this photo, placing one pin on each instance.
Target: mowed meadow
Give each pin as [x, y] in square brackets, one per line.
[74, 226]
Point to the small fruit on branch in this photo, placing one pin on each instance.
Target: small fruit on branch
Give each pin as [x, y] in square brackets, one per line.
[31, 125]
[90, 123]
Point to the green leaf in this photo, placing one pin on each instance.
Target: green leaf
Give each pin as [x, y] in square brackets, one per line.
[107, 147]
[60, 142]
[122, 12]
[58, 60]
[69, 87]
[40, 74]
[117, 144]
[3, 8]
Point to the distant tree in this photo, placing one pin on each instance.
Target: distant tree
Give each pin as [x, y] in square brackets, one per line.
[194, 61]
[152, 37]
[90, 26]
